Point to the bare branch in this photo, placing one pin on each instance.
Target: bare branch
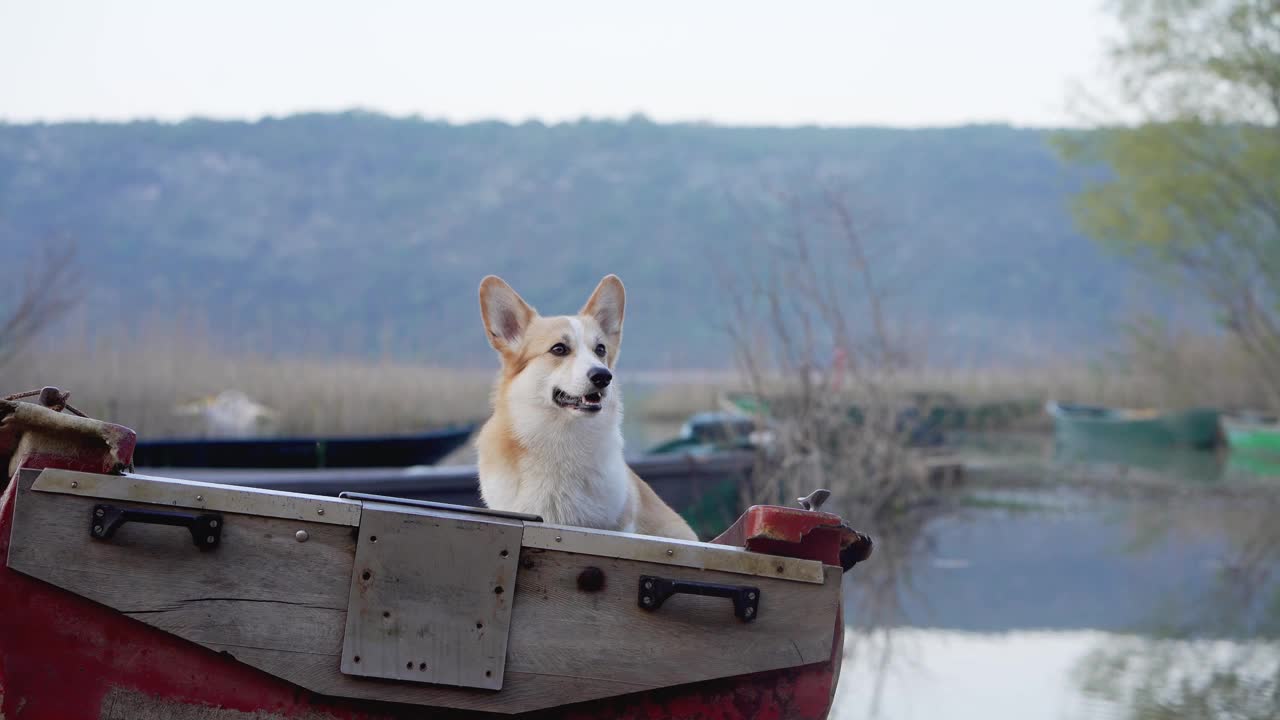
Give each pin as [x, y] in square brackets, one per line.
[43, 296]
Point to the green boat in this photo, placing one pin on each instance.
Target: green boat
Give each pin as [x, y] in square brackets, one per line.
[1255, 433]
[706, 435]
[933, 412]
[710, 432]
[1253, 466]
[1088, 424]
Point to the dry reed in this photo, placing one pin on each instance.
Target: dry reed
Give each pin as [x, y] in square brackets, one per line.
[141, 387]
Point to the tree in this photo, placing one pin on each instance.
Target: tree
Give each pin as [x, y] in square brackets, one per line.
[1191, 188]
[44, 294]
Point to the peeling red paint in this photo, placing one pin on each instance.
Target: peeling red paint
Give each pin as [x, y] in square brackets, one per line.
[792, 532]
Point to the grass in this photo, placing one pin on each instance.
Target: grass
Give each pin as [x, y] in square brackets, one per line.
[141, 384]
[1180, 372]
[140, 388]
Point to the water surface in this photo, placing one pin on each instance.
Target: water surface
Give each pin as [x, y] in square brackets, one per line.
[1065, 603]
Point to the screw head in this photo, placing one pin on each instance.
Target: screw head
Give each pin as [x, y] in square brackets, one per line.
[319, 511]
[209, 540]
[648, 584]
[749, 611]
[199, 498]
[670, 552]
[213, 523]
[557, 538]
[301, 536]
[75, 484]
[646, 600]
[99, 512]
[751, 596]
[97, 529]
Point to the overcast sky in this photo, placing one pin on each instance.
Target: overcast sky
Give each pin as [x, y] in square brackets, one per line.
[858, 62]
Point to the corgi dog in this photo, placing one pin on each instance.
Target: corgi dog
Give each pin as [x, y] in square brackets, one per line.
[553, 446]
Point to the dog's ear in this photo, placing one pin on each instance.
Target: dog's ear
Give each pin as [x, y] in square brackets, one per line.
[506, 315]
[607, 305]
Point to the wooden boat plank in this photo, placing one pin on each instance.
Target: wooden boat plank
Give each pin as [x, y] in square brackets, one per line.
[605, 635]
[683, 553]
[521, 691]
[280, 605]
[431, 595]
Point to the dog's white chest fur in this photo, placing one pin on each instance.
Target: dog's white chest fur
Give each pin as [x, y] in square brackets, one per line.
[571, 470]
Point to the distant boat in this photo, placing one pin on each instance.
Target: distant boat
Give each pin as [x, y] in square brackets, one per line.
[303, 452]
[1253, 433]
[709, 432]
[917, 417]
[1197, 428]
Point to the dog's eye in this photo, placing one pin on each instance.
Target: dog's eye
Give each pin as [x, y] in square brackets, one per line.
[560, 349]
[600, 351]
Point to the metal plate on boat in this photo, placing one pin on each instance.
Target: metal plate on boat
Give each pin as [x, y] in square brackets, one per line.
[668, 551]
[431, 596]
[199, 495]
[432, 505]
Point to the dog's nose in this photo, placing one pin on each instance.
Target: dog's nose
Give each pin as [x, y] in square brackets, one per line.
[600, 377]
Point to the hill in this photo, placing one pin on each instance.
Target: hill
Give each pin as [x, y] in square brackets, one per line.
[357, 232]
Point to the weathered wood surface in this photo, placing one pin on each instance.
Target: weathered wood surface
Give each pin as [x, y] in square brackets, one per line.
[431, 596]
[259, 583]
[563, 630]
[280, 605]
[668, 551]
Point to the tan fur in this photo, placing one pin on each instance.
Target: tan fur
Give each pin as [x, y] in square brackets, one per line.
[652, 516]
[526, 441]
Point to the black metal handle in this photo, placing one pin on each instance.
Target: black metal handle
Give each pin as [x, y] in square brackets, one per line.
[206, 528]
[655, 590]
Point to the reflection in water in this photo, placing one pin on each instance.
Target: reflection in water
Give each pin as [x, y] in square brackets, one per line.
[1185, 464]
[1195, 678]
[1059, 675]
[1184, 680]
[1059, 604]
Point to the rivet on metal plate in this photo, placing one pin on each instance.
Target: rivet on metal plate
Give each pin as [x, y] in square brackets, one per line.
[301, 536]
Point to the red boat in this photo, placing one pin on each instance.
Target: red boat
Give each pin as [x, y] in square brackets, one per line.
[124, 596]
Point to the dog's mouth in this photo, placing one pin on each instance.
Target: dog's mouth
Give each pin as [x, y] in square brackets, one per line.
[592, 402]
